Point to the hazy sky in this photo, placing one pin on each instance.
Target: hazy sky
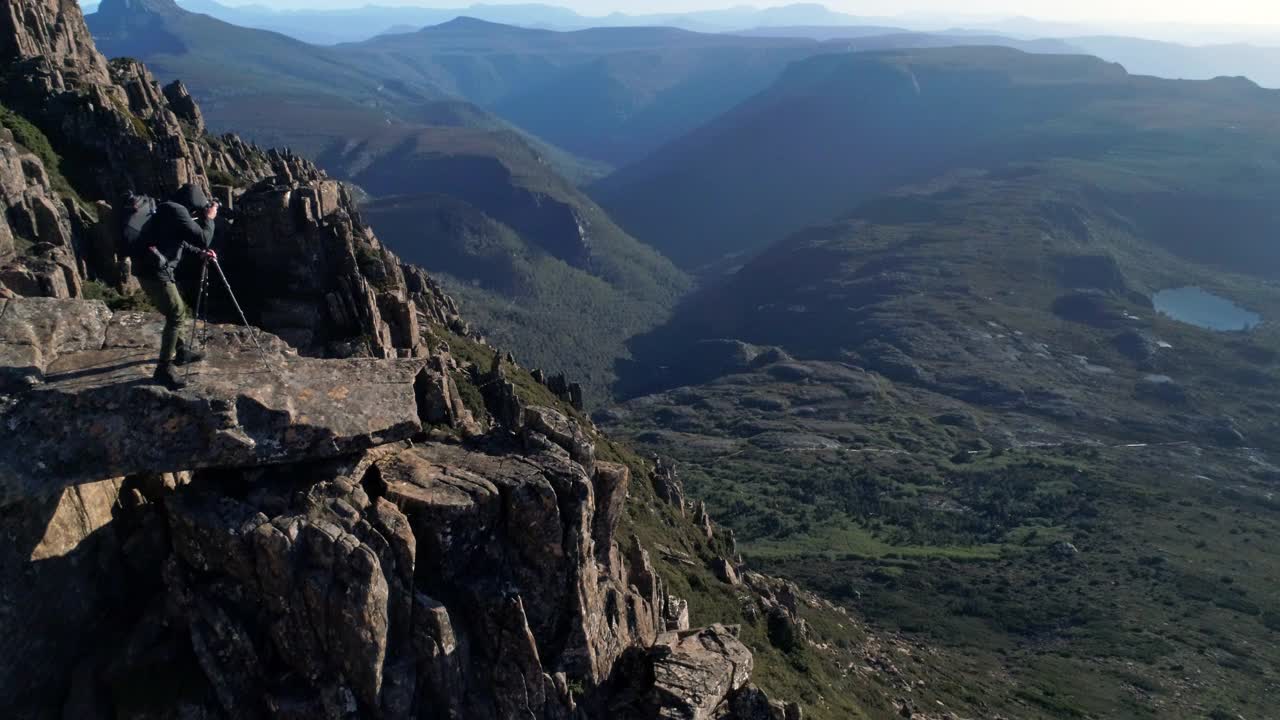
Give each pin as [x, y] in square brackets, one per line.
[1216, 12]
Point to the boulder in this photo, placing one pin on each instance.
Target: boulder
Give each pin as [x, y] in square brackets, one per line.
[1064, 550]
[562, 431]
[751, 703]
[677, 614]
[1139, 347]
[724, 571]
[690, 675]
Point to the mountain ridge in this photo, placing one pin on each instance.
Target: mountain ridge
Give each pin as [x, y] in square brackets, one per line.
[852, 142]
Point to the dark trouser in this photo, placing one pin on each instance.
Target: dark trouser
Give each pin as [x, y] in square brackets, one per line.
[165, 296]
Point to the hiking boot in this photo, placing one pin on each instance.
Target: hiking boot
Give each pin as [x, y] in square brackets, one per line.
[167, 376]
[185, 356]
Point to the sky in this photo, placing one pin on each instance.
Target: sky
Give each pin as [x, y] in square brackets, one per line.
[1217, 12]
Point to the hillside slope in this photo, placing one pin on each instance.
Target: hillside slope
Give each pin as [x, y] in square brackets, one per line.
[838, 129]
[959, 408]
[539, 267]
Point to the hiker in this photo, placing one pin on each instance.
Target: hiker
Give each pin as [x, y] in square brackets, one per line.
[185, 223]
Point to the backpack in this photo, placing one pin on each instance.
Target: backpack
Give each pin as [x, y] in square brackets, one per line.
[135, 212]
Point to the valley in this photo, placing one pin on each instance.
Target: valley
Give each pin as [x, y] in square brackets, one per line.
[959, 411]
[926, 374]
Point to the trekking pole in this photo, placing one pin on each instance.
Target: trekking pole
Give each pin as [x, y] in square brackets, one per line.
[201, 309]
[253, 335]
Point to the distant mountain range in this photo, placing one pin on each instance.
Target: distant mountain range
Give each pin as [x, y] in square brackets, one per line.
[1228, 50]
[361, 23]
[609, 94]
[836, 130]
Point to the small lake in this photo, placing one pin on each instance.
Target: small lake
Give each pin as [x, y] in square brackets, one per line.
[1197, 307]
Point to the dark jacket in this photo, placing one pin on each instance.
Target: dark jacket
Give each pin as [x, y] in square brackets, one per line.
[172, 231]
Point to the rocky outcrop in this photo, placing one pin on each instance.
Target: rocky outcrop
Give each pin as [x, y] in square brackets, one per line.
[63, 573]
[560, 386]
[87, 371]
[53, 30]
[518, 547]
[35, 216]
[298, 540]
[724, 571]
[690, 675]
[779, 600]
[304, 263]
[667, 485]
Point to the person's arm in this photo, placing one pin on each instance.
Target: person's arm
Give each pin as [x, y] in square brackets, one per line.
[197, 236]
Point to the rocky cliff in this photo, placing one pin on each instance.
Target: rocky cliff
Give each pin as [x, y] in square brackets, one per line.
[317, 538]
[343, 520]
[292, 236]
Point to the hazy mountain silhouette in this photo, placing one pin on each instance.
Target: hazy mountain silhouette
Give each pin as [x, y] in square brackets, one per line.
[838, 129]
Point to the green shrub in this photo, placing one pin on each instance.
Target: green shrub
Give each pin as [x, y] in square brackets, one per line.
[117, 301]
[470, 394]
[222, 177]
[36, 142]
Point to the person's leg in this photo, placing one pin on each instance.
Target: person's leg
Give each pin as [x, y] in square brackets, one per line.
[164, 296]
[176, 325]
[158, 294]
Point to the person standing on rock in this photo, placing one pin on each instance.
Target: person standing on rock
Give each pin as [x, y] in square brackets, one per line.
[184, 224]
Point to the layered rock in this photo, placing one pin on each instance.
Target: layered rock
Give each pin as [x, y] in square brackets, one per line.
[53, 30]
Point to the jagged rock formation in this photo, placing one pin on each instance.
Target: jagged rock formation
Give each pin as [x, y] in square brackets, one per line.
[667, 484]
[286, 529]
[299, 253]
